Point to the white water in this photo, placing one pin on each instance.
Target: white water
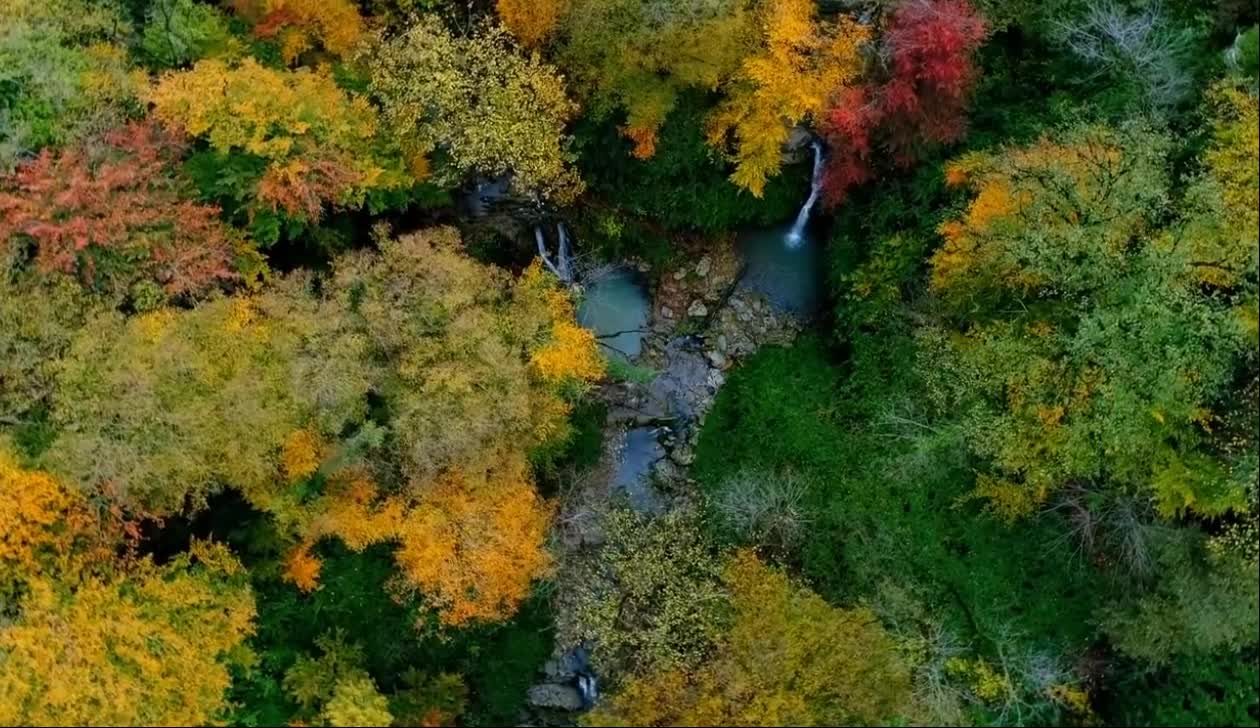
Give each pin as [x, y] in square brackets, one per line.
[797, 233]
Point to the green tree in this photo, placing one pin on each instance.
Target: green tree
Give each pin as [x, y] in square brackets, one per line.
[64, 74]
[650, 599]
[640, 56]
[1081, 352]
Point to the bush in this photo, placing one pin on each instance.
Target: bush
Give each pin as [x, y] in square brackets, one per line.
[764, 509]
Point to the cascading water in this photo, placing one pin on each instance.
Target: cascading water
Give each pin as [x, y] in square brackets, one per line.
[797, 233]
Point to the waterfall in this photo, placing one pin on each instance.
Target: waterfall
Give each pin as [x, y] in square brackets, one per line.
[565, 260]
[563, 270]
[797, 233]
[588, 689]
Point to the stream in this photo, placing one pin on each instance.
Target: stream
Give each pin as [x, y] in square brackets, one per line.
[772, 285]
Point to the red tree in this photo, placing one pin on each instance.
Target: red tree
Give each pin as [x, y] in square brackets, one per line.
[921, 101]
[113, 212]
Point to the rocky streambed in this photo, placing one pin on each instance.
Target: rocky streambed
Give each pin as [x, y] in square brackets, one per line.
[687, 329]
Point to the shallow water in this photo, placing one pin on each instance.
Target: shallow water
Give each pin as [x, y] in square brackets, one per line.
[641, 450]
[789, 275]
[615, 307]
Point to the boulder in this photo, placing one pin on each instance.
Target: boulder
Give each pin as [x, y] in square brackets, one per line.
[555, 696]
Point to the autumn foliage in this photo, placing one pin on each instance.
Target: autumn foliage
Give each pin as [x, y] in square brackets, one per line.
[150, 645]
[787, 81]
[317, 141]
[531, 21]
[919, 101]
[299, 25]
[788, 658]
[115, 212]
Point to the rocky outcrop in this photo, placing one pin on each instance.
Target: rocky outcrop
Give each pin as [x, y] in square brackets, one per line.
[554, 696]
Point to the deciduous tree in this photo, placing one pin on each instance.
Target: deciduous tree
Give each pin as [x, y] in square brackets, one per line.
[116, 215]
[170, 406]
[789, 658]
[1107, 368]
[66, 75]
[531, 21]
[476, 105]
[151, 645]
[640, 56]
[318, 143]
[299, 25]
[917, 98]
[802, 60]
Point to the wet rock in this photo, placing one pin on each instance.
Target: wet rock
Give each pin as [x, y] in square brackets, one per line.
[557, 697]
[666, 470]
[683, 455]
[697, 309]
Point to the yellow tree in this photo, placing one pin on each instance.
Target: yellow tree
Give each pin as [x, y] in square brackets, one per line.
[168, 407]
[789, 80]
[479, 103]
[1088, 352]
[476, 367]
[319, 143]
[468, 547]
[531, 21]
[46, 529]
[640, 55]
[789, 658]
[1223, 222]
[299, 25]
[89, 639]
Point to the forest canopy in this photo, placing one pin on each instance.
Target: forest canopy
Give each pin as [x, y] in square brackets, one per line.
[629, 362]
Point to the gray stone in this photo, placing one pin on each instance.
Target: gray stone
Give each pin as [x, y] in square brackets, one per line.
[682, 455]
[698, 309]
[721, 343]
[680, 274]
[716, 358]
[716, 378]
[665, 470]
[702, 268]
[558, 697]
[667, 312]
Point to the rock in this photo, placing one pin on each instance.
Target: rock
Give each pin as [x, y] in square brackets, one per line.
[665, 470]
[680, 274]
[716, 378]
[697, 309]
[721, 343]
[683, 455]
[644, 266]
[702, 268]
[667, 312]
[558, 697]
[557, 670]
[716, 358]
